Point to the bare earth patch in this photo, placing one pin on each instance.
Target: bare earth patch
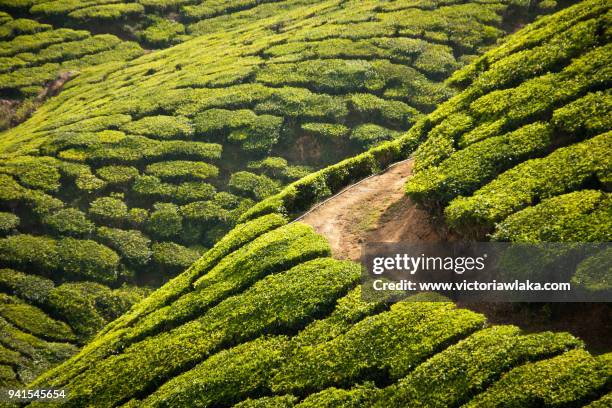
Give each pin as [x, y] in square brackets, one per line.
[374, 210]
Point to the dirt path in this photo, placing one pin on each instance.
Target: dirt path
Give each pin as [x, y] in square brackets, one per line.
[376, 210]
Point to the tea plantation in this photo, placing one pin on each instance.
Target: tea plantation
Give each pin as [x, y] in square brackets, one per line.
[266, 318]
[126, 164]
[524, 153]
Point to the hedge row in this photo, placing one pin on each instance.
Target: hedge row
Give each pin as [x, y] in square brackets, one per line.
[466, 170]
[507, 109]
[73, 257]
[386, 345]
[90, 146]
[274, 304]
[564, 170]
[454, 376]
[31, 319]
[85, 306]
[571, 378]
[112, 335]
[580, 216]
[32, 355]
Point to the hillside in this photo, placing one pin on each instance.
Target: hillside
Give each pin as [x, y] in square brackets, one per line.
[268, 318]
[47, 42]
[523, 154]
[133, 163]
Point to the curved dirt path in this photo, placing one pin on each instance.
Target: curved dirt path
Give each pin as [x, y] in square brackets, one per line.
[376, 210]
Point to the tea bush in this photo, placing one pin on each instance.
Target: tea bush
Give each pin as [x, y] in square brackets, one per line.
[130, 244]
[564, 170]
[117, 174]
[180, 169]
[165, 221]
[594, 272]
[108, 210]
[565, 379]
[160, 127]
[88, 259]
[580, 216]
[69, 221]
[33, 320]
[257, 187]
[8, 222]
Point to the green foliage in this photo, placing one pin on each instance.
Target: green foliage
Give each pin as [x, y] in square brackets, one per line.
[373, 108]
[590, 114]
[8, 222]
[469, 168]
[595, 272]
[252, 185]
[69, 221]
[180, 169]
[543, 90]
[194, 191]
[330, 131]
[20, 26]
[603, 402]
[153, 187]
[107, 12]
[160, 127]
[284, 401]
[369, 135]
[260, 135]
[108, 210]
[36, 355]
[31, 288]
[224, 377]
[88, 259]
[468, 367]
[30, 252]
[565, 379]
[274, 86]
[39, 173]
[581, 216]
[377, 343]
[31, 42]
[563, 170]
[33, 320]
[165, 221]
[173, 256]
[162, 32]
[88, 306]
[117, 174]
[130, 244]
[277, 301]
[358, 396]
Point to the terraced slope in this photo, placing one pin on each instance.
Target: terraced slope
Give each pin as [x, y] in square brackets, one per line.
[36, 60]
[39, 26]
[529, 139]
[525, 152]
[267, 318]
[128, 175]
[160, 23]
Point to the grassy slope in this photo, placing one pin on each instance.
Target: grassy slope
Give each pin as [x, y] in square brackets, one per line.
[138, 166]
[266, 318]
